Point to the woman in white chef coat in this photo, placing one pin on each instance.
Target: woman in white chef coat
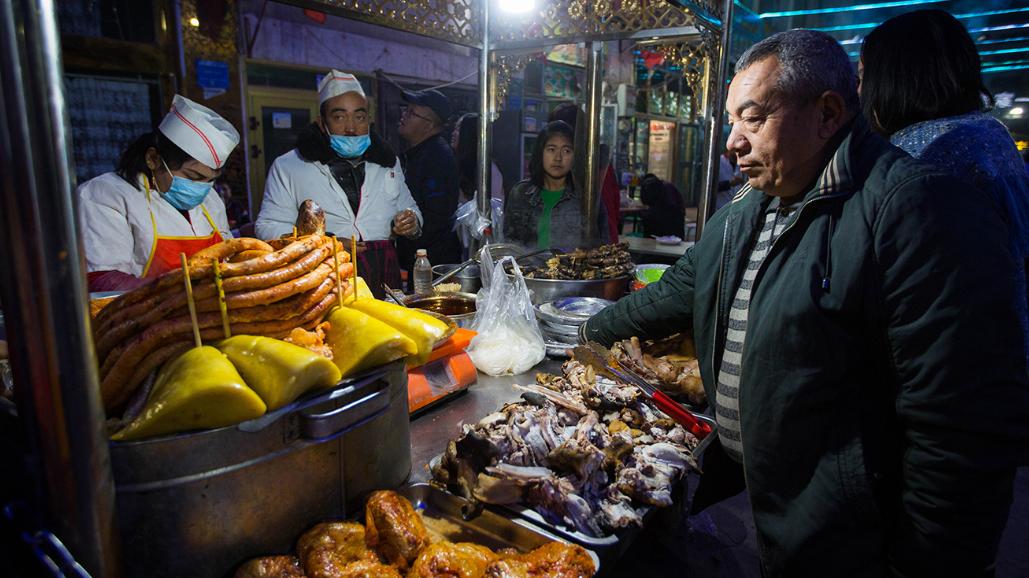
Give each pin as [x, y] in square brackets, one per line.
[160, 201]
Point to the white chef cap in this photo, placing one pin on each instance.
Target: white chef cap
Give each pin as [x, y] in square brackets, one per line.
[336, 83]
[199, 132]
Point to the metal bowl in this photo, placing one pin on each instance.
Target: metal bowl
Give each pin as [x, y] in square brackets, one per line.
[457, 307]
[468, 278]
[545, 290]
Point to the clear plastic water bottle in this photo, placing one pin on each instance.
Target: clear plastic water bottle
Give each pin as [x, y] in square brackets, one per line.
[422, 273]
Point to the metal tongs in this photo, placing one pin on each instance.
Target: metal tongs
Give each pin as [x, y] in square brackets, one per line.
[599, 358]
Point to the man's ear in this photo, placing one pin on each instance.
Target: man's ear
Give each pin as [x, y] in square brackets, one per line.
[832, 113]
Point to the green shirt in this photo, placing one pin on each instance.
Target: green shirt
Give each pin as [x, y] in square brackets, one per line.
[550, 199]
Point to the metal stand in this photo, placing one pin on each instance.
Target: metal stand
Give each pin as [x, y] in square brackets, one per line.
[44, 292]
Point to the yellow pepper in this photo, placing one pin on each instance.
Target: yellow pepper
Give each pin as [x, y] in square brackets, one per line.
[423, 329]
[362, 289]
[199, 390]
[360, 342]
[278, 371]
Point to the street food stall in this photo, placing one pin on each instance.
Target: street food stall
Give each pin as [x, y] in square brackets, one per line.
[242, 412]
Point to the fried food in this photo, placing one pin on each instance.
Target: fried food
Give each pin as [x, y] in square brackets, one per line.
[449, 560]
[327, 549]
[271, 567]
[394, 529]
[559, 560]
[603, 262]
[366, 569]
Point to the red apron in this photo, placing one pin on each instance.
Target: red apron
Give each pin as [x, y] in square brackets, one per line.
[164, 253]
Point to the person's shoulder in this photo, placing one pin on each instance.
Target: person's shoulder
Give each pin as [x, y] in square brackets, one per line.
[884, 168]
[521, 187]
[292, 160]
[106, 185]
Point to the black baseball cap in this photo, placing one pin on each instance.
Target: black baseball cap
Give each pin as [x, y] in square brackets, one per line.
[432, 99]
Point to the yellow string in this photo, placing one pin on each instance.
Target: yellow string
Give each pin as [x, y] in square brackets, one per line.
[189, 300]
[221, 298]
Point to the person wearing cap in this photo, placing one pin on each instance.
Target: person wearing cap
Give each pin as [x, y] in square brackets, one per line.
[432, 177]
[353, 174]
[159, 202]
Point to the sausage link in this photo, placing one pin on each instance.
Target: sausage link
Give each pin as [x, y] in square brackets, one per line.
[228, 248]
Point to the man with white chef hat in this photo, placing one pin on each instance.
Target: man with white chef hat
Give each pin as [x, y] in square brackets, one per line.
[352, 174]
[159, 202]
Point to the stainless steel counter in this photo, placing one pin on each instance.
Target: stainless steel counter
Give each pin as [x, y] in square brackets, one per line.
[431, 431]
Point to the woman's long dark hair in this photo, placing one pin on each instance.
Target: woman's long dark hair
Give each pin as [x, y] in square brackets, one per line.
[558, 127]
[920, 66]
[133, 159]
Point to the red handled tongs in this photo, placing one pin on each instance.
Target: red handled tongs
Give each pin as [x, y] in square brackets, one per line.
[599, 358]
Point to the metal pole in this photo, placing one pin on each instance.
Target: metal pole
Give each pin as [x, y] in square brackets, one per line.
[714, 141]
[482, 191]
[594, 66]
[44, 292]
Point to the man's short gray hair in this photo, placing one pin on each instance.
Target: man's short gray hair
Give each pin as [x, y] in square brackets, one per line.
[812, 63]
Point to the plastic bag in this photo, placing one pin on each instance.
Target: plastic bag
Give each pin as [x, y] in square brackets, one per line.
[468, 223]
[509, 340]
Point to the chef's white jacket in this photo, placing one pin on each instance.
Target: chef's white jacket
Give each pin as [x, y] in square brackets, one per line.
[293, 180]
[117, 232]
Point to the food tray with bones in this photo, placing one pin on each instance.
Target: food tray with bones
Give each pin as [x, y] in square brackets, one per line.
[605, 262]
[581, 455]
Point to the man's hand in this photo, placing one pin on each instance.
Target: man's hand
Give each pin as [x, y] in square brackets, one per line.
[405, 223]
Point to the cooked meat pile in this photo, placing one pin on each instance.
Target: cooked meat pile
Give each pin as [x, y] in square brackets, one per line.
[670, 364]
[394, 543]
[581, 450]
[603, 262]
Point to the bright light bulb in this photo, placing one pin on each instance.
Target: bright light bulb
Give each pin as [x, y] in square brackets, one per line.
[194, 22]
[517, 6]
[1017, 111]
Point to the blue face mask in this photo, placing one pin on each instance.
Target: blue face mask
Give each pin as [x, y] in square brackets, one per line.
[350, 147]
[185, 194]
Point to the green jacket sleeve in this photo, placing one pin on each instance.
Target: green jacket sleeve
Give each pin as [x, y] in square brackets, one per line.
[659, 309]
[962, 393]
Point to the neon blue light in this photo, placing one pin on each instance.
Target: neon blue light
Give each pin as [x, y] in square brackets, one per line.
[840, 9]
[865, 25]
[1004, 68]
[995, 28]
[1003, 40]
[1003, 51]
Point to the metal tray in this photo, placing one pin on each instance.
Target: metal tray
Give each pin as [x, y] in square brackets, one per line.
[606, 547]
[443, 514]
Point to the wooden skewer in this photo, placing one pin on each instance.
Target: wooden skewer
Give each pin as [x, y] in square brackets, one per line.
[221, 298]
[189, 300]
[353, 257]
[339, 281]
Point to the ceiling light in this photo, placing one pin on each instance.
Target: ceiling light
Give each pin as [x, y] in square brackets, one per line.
[1017, 111]
[517, 6]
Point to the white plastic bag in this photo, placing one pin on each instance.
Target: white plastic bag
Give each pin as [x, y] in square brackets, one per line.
[509, 340]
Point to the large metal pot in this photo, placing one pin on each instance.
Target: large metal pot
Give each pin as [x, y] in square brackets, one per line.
[458, 306]
[199, 504]
[545, 290]
[469, 277]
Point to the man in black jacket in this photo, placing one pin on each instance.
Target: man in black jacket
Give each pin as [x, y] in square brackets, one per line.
[431, 171]
[853, 311]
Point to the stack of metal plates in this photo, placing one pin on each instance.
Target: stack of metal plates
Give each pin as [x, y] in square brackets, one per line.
[560, 320]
